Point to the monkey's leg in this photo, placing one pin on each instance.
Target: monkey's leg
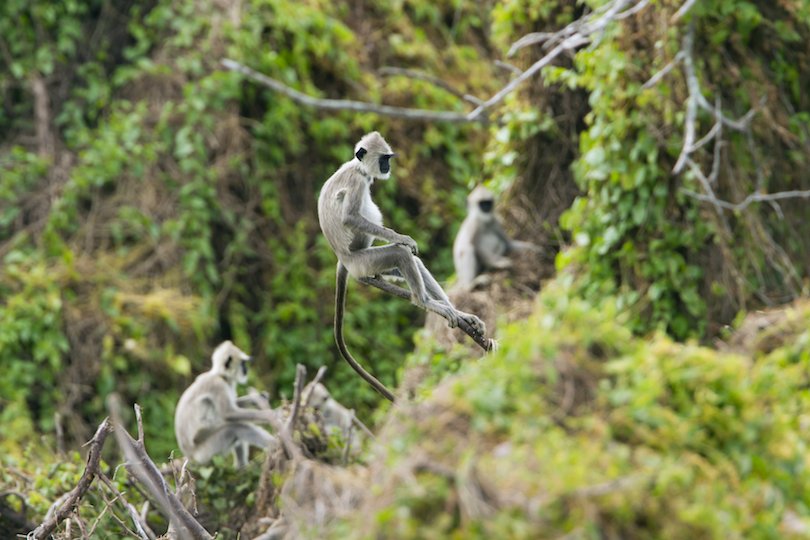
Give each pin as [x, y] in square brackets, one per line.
[440, 297]
[399, 292]
[376, 260]
[241, 452]
[234, 437]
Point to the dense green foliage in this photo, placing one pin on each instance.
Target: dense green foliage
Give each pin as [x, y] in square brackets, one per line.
[153, 204]
[171, 205]
[575, 427]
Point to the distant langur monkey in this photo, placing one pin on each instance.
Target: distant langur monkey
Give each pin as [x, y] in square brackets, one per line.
[336, 417]
[210, 419]
[481, 244]
[351, 221]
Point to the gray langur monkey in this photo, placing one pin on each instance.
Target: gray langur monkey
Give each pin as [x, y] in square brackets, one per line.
[210, 419]
[481, 244]
[336, 417]
[351, 221]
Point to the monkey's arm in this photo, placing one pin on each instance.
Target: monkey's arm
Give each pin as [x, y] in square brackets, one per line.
[238, 414]
[490, 246]
[255, 399]
[514, 245]
[520, 245]
[352, 217]
[230, 411]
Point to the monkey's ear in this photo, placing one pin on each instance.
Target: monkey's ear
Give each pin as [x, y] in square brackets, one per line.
[360, 153]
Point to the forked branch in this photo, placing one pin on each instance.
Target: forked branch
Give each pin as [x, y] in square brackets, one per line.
[76, 494]
[144, 470]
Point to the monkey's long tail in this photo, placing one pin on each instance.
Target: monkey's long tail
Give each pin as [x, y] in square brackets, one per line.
[340, 309]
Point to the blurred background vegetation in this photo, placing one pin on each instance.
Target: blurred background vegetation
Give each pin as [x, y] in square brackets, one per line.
[153, 204]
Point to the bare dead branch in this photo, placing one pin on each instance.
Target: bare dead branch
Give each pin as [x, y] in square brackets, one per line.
[508, 67]
[316, 380]
[349, 105]
[652, 81]
[141, 527]
[435, 81]
[75, 495]
[348, 434]
[684, 9]
[300, 375]
[569, 44]
[632, 10]
[357, 423]
[144, 470]
[485, 343]
[534, 38]
[750, 199]
[574, 35]
[695, 99]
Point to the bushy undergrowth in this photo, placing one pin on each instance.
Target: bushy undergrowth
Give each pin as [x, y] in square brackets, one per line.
[576, 427]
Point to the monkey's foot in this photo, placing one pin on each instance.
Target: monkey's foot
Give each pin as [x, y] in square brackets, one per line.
[443, 310]
[474, 322]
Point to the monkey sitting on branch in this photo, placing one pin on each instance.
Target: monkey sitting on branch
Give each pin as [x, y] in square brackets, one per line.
[481, 244]
[351, 221]
[210, 419]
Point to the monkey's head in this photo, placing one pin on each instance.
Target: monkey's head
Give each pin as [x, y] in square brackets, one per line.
[316, 394]
[374, 155]
[481, 202]
[230, 362]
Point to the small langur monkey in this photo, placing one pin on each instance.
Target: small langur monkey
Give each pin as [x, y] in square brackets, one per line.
[336, 417]
[481, 244]
[351, 221]
[210, 419]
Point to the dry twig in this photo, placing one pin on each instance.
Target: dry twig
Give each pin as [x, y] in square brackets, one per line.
[75, 495]
[574, 35]
[142, 468]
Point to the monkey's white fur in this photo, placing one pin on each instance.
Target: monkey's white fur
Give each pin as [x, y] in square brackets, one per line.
[210, 419]
[351, 221]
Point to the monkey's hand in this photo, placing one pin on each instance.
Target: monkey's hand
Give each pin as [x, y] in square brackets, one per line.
[407, 241]
[260, 400]
[474, 322]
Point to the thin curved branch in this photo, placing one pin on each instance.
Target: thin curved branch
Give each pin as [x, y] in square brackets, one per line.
[574, 35]
[750, 199]
[347, 104]
[426, 77]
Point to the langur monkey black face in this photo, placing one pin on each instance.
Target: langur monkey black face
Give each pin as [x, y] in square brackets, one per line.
[375, 156]
[229, 361]
[351, 221]
[481, 203]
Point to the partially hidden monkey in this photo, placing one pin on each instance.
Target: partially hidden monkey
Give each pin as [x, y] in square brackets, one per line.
[210, 419]
[481, 244]
[351, 221]
[336, 417]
